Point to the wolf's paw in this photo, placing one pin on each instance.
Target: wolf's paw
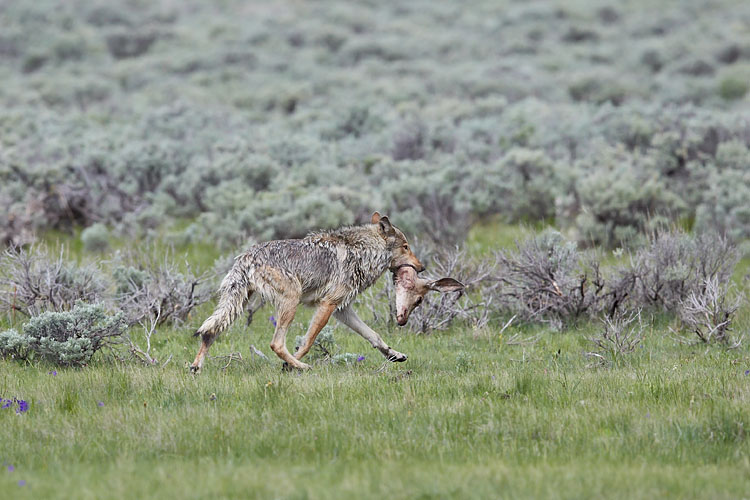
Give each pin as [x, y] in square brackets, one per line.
[395, 356]
[195, 369]
[301, 367]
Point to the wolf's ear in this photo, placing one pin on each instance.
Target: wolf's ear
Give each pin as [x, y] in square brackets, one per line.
[385, 226]
[375, 218]
[444, 285]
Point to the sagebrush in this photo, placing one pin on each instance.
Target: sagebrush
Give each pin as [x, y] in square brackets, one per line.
[134, 117]
[64, 338]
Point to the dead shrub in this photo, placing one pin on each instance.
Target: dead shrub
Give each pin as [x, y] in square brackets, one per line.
[709, 313]
[33, 281]
[675, 265]
[150, 285]
[547, 279]
[620, 335]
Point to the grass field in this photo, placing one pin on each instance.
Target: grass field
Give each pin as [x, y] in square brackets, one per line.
[468, 416]
[140, 127]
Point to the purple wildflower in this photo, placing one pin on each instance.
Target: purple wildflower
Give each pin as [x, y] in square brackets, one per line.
[53, 373]
[747, 372]
[100, 403]
[21, 482]
[11, 468]
[272, 320]
[23, 406]
[360, 358]
[7, 403]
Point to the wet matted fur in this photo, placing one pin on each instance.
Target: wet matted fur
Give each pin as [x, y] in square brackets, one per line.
[326, 269]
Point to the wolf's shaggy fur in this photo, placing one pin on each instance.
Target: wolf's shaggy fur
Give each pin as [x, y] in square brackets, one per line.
[326, 269]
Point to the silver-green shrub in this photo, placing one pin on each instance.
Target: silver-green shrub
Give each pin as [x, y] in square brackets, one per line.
[724, 206]
[619, 198]
[64, 338]
[524, 185]
[278, 125]
[95, 238]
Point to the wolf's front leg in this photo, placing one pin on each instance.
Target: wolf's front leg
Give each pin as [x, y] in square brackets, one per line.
[322, 314]
[349, 318]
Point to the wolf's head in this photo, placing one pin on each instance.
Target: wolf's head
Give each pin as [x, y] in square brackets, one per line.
[395, 242]
[411, 289]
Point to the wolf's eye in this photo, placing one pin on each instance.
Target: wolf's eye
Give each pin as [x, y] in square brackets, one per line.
[406, 247]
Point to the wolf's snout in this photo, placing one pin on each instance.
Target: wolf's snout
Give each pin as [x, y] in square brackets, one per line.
[417, 264]
[401, 319]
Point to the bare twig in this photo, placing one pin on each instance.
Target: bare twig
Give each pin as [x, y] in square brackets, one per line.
[149, 323]
[516, 339]
[229, 357]
[257, 352]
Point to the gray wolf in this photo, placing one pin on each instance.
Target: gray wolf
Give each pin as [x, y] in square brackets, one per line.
[411, 289]
[326, 270]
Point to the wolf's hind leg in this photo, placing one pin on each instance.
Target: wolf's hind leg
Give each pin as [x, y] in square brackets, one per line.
[233, 297]
[320, 319]
[206, 341]
[284, 316]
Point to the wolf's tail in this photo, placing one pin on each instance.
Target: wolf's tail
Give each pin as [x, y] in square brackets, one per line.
[234, 292]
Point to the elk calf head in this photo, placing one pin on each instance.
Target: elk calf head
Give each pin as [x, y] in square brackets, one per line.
[411, 289]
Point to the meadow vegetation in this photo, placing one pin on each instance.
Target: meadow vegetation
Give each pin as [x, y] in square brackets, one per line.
[228, 121]
[581, 166]
[590, 408]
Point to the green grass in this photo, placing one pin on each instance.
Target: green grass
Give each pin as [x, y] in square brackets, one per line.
[201, 256]
[465, 417]
[494, 234]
